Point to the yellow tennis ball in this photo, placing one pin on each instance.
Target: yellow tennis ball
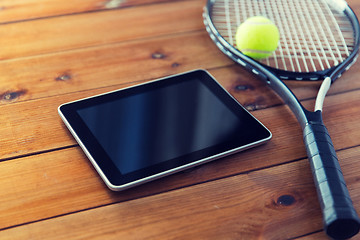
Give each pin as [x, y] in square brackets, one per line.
[257, 37]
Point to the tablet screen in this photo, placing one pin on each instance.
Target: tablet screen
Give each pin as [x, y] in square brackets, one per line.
[152, 128]
[165, 123]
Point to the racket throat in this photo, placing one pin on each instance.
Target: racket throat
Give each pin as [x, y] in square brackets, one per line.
[324, 88]
[313, 117]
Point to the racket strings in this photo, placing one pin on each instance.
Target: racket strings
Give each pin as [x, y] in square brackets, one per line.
[313, 35]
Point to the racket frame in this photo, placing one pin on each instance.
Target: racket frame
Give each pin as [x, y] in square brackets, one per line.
[273, 77]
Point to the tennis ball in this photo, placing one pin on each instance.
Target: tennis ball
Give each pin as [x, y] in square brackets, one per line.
[257, 37]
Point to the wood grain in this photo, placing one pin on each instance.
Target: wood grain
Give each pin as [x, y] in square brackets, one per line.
[45, 124]
[222, 209]
[62, 178]
[19, 10]
[58, 51]
[49, 75]
[42, 36]
[112, 64]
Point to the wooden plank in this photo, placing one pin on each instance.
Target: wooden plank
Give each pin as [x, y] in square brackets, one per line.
[63, 181]
[280, 196]
[105, 27]
[49, 75]
[44, 123]
[58, 194]
[98, 28]
[19, 10]
[341, 113]
[116, 64]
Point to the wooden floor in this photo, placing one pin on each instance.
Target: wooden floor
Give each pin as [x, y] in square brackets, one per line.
[53, 51]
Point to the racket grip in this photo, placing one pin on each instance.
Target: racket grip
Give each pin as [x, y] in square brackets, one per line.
[339, 215]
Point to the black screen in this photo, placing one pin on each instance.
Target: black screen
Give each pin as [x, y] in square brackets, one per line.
[151, 127]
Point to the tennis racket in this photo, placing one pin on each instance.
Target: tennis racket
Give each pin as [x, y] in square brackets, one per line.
[319, 40]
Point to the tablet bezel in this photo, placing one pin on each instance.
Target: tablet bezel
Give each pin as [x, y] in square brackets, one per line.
[106, 167]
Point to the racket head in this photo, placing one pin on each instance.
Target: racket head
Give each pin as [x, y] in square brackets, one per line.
[310, 48]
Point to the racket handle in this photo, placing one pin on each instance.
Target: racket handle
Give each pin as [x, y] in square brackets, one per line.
[339, 215]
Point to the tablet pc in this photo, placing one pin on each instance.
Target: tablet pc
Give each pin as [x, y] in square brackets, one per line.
[141, 133]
